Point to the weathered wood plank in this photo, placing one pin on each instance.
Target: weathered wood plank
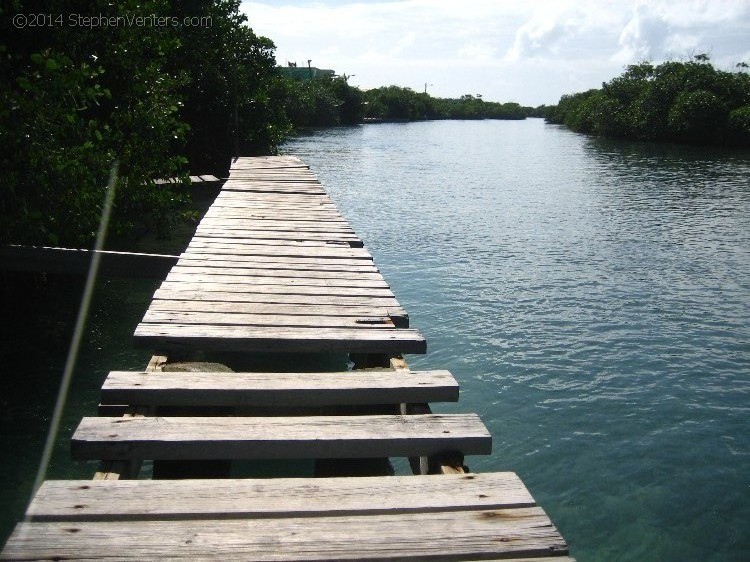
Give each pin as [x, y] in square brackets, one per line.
[204, 272]
[275, 197]
[274, 200]
[291, 182]
[276, 186]
[275, 235]
[178, 293]
[82, 500]
[444, 536]
[280, 339]
[330, 281]
[310, 309]
[328, 251]
[235, 228]
[261, 161]
[273, 225]
[267, 320]
[287, 244]
[177, 438]
[276, 214]
[279, 262]
[278, 289]
[282, 389]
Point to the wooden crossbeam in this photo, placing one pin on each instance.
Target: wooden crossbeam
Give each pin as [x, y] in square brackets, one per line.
[82, 500]
[446, 536]
[311, 437]
[278, 389]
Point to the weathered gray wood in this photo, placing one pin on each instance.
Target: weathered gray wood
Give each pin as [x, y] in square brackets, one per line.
[81, 500]
[278, 389]
[202, 272]
[309, 309]
[252, 162]
[278, 289]
[282, 186]
[267, 320]
[233, 199]
[274, 225]
[309, 199]
[229, 229]
[330, 281]
[280, 339]
[327, 251]
[287, 244]
[278, 437]
[227, 201]
[327, 217]
[444, 536]
[275, 235]
[178, 293]
[279, 263]
[293, 184]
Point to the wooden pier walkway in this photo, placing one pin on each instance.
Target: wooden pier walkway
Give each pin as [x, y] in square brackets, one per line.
[274, 267]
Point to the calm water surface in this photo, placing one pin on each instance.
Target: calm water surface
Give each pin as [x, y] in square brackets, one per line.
[593, 300]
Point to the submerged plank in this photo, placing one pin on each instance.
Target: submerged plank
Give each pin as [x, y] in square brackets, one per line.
[310, 437]
[282, 389]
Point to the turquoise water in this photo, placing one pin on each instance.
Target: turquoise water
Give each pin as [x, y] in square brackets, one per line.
[593, 300]
[36, 323]
[591, 297]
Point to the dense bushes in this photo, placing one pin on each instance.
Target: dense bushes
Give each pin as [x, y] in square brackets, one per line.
[76, 95]
[396, 103]
[690, 102]
[321, 102]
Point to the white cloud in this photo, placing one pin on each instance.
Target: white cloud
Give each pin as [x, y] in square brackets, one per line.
[530, 52]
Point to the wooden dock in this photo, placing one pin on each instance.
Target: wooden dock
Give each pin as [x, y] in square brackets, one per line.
[274, 267]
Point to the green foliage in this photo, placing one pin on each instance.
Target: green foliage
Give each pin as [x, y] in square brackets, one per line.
[73, 98]
[393, 103]
[228, 101]
[690, 102]
[474, 107]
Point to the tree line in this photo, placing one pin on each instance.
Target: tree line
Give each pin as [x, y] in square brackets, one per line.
[154, 94]
[680, 101]
[167, 87]
[163, 88]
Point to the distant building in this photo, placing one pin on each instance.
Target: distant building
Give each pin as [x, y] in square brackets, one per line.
[304, 72]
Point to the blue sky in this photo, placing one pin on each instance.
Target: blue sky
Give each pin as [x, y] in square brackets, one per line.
[530, 51]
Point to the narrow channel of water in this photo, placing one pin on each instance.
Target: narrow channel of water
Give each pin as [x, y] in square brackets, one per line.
[593, 300]
[591, 297]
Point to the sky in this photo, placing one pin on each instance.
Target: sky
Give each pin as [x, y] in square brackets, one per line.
[527, 51]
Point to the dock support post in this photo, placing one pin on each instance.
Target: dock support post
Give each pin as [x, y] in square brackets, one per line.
[358, 467]
[449, 462]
